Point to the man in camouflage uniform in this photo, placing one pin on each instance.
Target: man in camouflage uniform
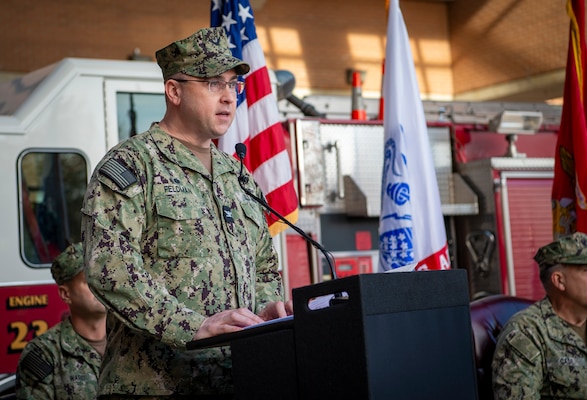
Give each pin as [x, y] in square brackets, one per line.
[64, 362]
[175, 248]
[541, 353]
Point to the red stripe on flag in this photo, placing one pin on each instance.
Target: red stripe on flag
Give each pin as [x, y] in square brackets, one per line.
[286, 195]
[265, 145]
[287, 198]
[258, 85]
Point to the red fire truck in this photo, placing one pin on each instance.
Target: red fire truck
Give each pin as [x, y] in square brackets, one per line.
[494, 186]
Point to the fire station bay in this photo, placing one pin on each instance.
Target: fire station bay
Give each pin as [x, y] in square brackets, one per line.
[417, 136]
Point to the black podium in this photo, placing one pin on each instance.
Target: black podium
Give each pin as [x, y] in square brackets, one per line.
[404, 335]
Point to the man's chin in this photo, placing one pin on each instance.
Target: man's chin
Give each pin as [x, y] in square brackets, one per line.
[218, 134]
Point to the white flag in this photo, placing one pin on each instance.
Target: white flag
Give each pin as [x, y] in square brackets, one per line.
[411, 226]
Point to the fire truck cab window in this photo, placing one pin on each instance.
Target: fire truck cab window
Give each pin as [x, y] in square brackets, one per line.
[137, 111]
[52, 188]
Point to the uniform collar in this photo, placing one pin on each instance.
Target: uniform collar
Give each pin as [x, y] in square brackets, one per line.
[78, 347]
[179, 154]
[558, 329]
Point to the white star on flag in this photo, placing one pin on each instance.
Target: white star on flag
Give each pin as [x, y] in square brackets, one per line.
[244, 12]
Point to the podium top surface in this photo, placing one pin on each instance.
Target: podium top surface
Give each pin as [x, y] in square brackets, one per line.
[378, 293]
[225, 338]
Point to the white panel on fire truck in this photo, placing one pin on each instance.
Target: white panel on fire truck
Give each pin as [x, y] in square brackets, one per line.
[310, 162]
[522, 164]
[353, 165]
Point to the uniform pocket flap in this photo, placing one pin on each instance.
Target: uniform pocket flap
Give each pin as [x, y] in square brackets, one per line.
[177, 208]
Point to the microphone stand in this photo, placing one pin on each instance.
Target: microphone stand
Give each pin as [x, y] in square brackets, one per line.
[241, 150]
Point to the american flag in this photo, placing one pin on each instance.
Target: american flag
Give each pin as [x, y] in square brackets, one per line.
[257, 123]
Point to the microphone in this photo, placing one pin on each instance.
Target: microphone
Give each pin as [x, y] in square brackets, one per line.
[241, 151]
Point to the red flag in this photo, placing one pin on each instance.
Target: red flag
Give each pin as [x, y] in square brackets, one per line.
[257, 122]
[570, 168]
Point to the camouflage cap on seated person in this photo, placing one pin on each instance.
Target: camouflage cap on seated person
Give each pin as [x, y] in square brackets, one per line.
[204, 54]
[68, 264]
[569, 250]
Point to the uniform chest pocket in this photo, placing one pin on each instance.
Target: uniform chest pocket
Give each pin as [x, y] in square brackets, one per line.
[567, 373]
[252, 213]
[253, 221]
[181, 227]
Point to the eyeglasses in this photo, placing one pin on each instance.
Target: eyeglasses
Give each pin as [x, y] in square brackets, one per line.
[218, 85]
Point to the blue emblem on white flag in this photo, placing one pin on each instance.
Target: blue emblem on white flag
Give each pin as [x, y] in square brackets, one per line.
[396, 245]
[397, 248]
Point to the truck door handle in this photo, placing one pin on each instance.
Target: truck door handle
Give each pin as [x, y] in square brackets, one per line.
[339, 178]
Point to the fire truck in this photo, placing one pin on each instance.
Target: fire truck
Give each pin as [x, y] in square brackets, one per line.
[494, 166]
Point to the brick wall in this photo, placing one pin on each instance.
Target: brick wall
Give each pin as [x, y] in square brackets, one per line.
[500, 40]
[457, 46]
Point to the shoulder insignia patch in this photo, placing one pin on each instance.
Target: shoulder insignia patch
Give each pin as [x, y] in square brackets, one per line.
[525, 348]
[119, 173]
[35, 364]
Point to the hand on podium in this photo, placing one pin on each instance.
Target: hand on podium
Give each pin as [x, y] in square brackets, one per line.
[235, 320]
[226, 322]
[277, 309]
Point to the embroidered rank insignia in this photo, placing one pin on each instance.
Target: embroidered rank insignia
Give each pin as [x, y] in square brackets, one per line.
[119, 173]
[227, 212]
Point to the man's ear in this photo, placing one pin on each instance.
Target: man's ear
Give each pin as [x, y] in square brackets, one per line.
[64, 294]
[558, 280]
[173, 91]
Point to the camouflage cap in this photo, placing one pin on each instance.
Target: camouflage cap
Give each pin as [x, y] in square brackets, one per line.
[204, 54]
[570, 249]
[68, 264]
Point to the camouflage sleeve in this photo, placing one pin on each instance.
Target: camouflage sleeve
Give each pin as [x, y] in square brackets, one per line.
[34, 375]
[517, 365]
[113, 220]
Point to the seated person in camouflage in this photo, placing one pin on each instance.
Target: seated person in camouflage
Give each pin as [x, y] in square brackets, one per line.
[64, 362]
[541, 352]
[176, 249]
